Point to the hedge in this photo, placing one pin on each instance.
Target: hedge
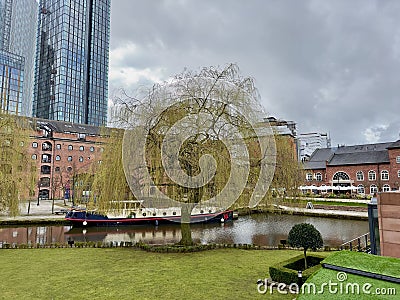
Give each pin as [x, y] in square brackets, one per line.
[286, 272]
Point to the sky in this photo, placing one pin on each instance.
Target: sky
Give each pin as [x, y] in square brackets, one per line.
[330, 66]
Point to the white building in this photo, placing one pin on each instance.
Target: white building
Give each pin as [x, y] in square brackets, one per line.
[309, 142]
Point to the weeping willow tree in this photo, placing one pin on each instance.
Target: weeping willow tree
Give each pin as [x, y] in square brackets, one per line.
[193, 142]
[16, 170]
[106, 181]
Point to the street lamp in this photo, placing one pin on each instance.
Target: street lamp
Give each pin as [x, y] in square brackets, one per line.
[299, 278]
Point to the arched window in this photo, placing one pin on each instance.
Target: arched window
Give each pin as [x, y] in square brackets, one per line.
[309, 177]
[46, 146]
[58, 157]
[318, 176]
[341, 176]
[385, 175]
[386, 188]
[360, 176]
[373, 189]
[371, 175]
[360, 189]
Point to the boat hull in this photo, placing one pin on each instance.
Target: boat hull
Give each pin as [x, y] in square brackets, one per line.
[83, 218]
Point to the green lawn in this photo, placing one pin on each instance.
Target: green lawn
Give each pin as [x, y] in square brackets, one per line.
[124, 273]
[353, 286]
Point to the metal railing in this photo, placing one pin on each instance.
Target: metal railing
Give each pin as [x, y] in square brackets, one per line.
[360, 244]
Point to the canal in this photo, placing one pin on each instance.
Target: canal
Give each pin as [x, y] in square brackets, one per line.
[258, 229]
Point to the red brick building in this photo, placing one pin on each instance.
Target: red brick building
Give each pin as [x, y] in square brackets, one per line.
[362, 169]
[61, 151]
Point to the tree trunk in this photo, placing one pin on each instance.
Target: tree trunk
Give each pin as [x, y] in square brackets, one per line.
[186, 231]
[305, 259]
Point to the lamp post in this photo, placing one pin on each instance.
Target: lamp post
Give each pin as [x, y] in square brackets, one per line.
[299, 278]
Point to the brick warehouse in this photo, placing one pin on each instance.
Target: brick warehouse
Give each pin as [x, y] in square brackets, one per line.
[364, 169]
[61, 150]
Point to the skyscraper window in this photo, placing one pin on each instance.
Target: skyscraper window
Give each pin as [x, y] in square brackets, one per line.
[72, 57]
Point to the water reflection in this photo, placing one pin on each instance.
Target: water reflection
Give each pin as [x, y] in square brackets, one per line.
[261, 229]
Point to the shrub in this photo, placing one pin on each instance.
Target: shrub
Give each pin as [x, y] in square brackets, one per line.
[286, 271]
[306, 236]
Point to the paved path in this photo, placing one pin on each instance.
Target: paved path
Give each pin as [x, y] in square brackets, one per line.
[326, 212]
[36, 212]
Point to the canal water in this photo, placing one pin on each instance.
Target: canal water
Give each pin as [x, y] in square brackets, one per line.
[258, 229]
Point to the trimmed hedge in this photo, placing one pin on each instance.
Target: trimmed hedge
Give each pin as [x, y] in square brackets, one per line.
[286, 272]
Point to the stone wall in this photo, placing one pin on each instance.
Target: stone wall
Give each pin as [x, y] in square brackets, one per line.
[389, 223]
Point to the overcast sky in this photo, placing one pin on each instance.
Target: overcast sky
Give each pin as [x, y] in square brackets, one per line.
[330, 66]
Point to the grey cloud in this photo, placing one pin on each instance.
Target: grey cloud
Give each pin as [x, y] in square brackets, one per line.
[331, 66]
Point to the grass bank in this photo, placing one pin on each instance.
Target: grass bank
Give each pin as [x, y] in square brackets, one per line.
[125, 273]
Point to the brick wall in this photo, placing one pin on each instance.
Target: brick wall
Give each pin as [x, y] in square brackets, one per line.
[68, 155]
[389, 223]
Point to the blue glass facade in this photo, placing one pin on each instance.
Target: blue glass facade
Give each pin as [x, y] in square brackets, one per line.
[71, 73]
[11, 82]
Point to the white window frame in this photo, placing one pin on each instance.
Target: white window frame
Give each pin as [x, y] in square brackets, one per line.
[386, 188]
[34, 145]
[360, 189]
[371, 178]
[398, 159]
[58, 157]
[360, 176]
[318, 176]
[373, 189]
[398, 173]
[385, 175]
[309, 177]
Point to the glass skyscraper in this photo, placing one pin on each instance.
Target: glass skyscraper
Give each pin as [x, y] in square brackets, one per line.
[18, 21]
[11, 82]
[71, 72]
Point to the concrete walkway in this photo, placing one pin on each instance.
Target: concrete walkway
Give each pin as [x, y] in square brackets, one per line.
[325, 212]
[39, 212]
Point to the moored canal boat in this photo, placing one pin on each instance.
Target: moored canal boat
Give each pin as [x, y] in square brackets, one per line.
[134, 213]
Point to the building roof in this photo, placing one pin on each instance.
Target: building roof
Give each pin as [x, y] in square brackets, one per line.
[363, 148]
[350, 155]
[319, 158]
[67, 127]
[394, 145]
[359, 158]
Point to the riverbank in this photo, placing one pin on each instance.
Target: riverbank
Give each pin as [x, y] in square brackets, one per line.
[49, 212]
[320, 210]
